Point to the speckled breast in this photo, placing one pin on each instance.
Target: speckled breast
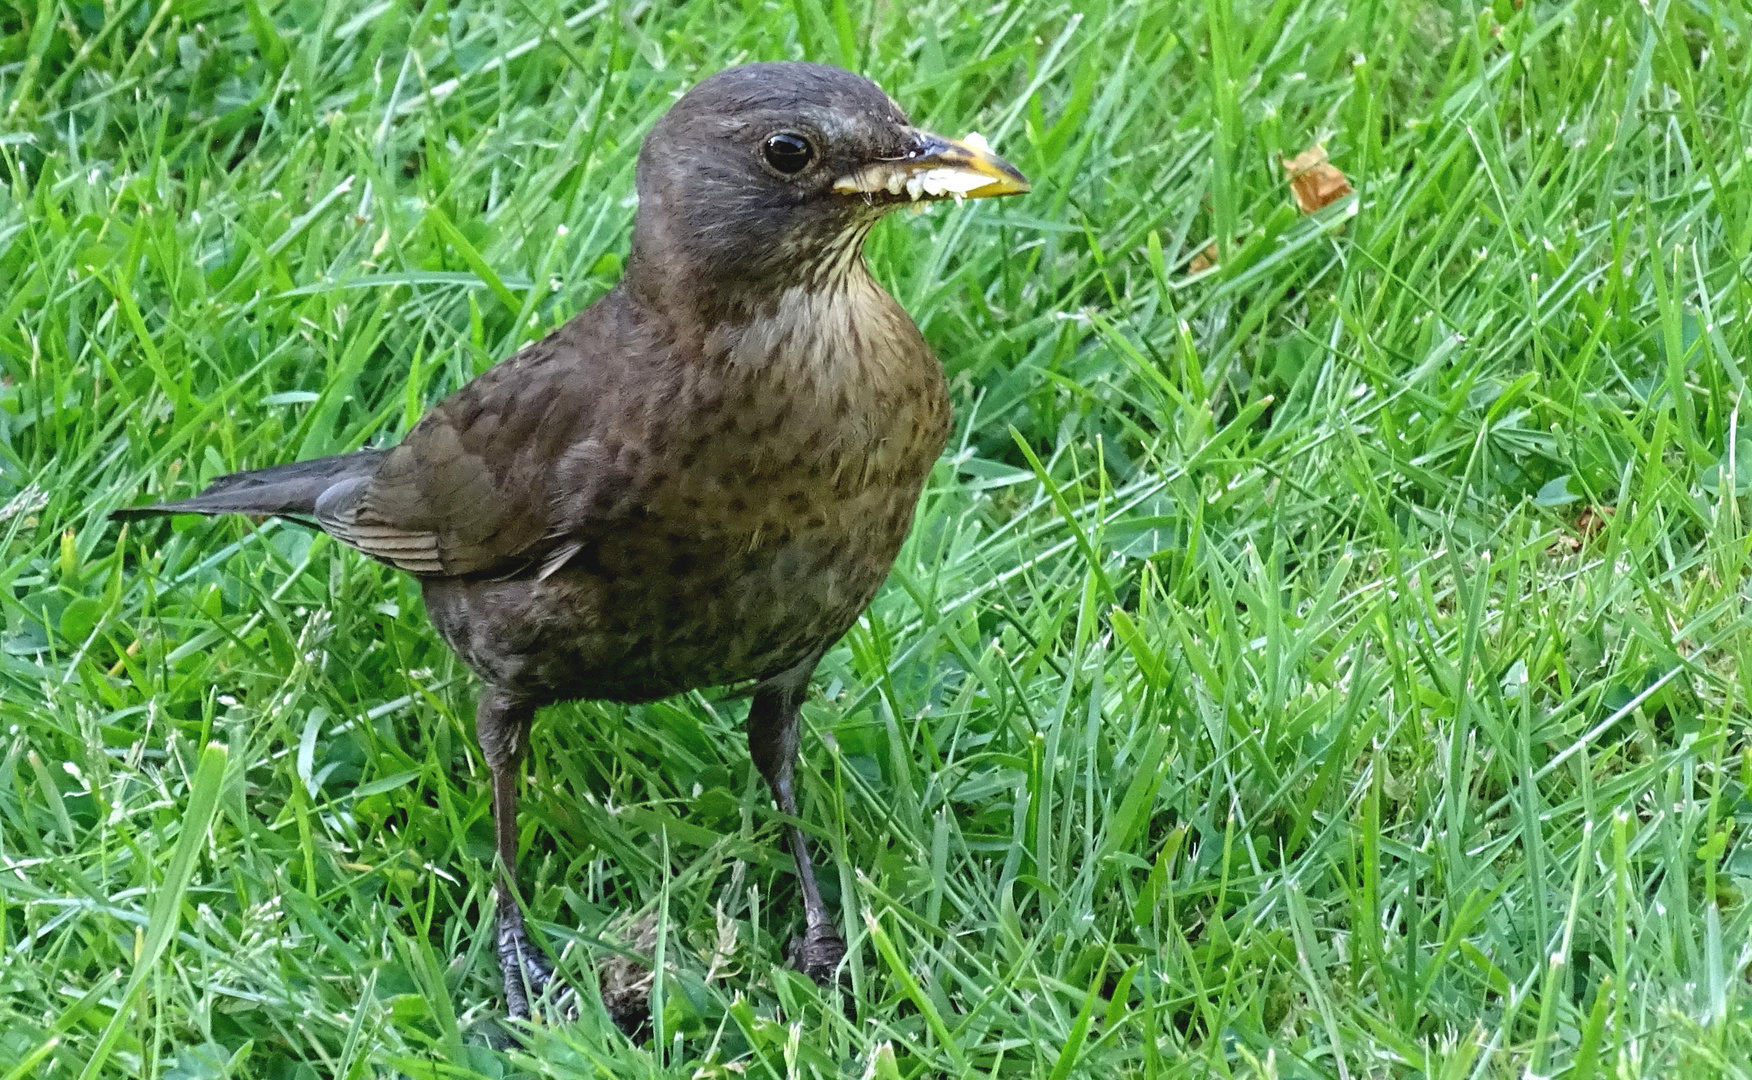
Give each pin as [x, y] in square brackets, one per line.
[768, 510]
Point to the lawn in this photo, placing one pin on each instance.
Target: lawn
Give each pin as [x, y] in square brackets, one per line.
[1318, 654]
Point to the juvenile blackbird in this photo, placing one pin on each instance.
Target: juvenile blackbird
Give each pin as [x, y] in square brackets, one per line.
[700, 480]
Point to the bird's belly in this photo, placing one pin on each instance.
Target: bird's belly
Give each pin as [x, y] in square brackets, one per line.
[662, 607]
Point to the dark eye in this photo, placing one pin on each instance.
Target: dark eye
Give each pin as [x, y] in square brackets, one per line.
[787, 153]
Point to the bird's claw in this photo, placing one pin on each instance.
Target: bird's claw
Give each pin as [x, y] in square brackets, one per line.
[817, 952]
[532, 992]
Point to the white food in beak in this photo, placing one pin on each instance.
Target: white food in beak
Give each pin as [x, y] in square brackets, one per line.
[954, 181]
[897, 177]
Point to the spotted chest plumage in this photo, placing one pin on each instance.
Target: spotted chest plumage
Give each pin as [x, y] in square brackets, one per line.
[743, 525]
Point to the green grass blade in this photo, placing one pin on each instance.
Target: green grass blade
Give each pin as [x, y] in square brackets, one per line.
[166, 905]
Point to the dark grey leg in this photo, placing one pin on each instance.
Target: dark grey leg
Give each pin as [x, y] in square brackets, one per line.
[773, 732]
[502, 729]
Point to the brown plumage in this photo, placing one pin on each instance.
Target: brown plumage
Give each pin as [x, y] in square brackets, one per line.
[700, 480]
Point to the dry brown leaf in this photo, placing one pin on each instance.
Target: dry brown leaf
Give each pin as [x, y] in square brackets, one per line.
[1204, 260]
[623, 982]
[1589, 524]
[1313, 180]
[1592, 521]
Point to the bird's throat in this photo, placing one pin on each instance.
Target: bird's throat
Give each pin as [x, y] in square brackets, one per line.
[837, 334]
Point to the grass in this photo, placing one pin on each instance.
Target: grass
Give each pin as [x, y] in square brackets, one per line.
[1327, 664]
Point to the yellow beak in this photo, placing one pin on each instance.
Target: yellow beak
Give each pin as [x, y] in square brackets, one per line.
[938, 168]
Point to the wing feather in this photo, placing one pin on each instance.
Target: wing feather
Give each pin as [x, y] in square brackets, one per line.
[481, 487]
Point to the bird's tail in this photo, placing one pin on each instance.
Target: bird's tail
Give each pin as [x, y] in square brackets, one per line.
[290, 490]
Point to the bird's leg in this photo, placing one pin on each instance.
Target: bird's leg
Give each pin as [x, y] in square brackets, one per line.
[502, 728]
[773, 732]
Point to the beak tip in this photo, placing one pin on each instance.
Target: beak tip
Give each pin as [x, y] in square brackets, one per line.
[1002, 178]
[1007, 180]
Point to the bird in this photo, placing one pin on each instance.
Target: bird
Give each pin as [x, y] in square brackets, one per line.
[702, 479]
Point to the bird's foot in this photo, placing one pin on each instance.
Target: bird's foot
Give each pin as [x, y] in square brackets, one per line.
[817, 952]
[532, 992]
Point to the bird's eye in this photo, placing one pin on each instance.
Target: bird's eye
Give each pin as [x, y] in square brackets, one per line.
[787, 153]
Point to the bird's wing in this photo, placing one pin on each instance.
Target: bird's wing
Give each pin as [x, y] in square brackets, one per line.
[472, 490]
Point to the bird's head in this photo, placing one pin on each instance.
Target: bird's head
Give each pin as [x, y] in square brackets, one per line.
[768, 176]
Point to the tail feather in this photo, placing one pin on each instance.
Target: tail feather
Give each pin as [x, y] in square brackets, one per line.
[289, 490]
